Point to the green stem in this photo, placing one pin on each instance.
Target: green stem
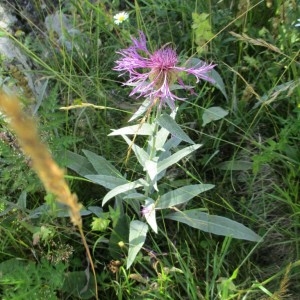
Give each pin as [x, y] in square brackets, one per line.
[153, 147]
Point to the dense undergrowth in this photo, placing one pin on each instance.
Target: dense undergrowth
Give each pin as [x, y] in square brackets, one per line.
[251, 155]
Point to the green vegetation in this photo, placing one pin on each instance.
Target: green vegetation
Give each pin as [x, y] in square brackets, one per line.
[248, 166]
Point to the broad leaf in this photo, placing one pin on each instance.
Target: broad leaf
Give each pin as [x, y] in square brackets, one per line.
[137, 236]
[139, 152]
[164, 164]
[162, 135]
[148, 212]
[169, 123]
[151, 168]
[213, 114]
[96, 210]
[110, 182]
[123, 188]
[79, 164]
[161, 138]
[138, 129]
[101, 165]
[214, 224]
[181, 195]
[171, 143]
[218, 81]
[142, 109]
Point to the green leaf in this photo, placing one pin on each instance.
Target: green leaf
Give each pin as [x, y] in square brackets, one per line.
[236, 165]
[110, 182]
[129, 186]
[213, 114]
[149, 213]
[169, 123]
[142, 109]
[151, 168]
[22, 200]
[139, 152]
[96, 210]
[138, 129]
[171, 160]
[214, 224]
[219, 83]
[181, 195]
[137, 236]
[101, 165]
[119, 236]
[161, 138]
[79, 164]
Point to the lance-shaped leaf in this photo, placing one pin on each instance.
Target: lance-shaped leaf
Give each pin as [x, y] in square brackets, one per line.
[139, 152]
[137, 236]
[174, 158]
[219, 83]
[138, 129]
[123, 189]
[148, 212]
[214, 224]
[79, 164]
[110, 182]
[101, 165]
[161, 138]
[181, 195]
[213, 114]
[162, 135]
[142, 109]
[169, 123]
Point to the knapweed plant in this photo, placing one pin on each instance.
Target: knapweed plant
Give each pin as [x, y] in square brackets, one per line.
[156, 77]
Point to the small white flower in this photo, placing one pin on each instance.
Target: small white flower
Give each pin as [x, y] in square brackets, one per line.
[298, 24]
[120, 17]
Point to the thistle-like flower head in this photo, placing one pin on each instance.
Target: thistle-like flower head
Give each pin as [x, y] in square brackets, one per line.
[153, 74]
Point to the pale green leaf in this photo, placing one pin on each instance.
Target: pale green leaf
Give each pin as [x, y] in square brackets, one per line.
[171, 143]
[123, 188]
[161, 138]
[137, 236]
[213, 114]
[149, 213]
[169, 123]
[174, 158]
[151, 168]
[79, 164]
[138, 129]
[101, 165]
[181, 195]
[96, 210]
[218, 81]
[110, 182]
[162, 135]
[142, 109]
[214, 224]
[139, 152]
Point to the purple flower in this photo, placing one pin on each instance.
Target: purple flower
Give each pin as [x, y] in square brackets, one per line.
[153, 74]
